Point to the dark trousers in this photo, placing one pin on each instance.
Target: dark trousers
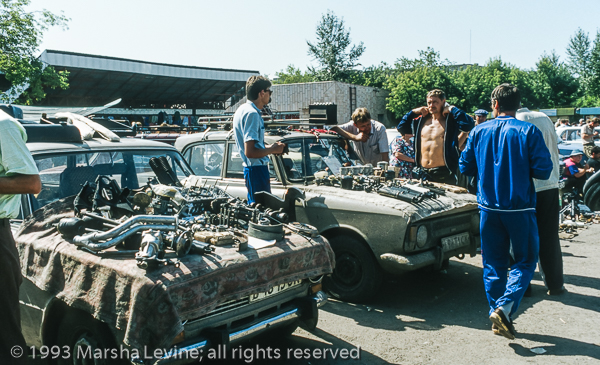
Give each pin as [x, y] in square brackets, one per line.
[576, 182]
[10, 280]
[441, 175]
[551, 264]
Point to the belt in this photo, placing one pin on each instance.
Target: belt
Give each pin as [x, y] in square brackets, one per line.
[437, 170]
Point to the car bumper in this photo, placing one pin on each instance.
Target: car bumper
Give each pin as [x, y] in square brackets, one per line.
[304, 309]
[398, 264]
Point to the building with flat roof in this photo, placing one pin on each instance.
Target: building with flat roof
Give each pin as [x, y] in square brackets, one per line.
[97, 80]
[292, 100]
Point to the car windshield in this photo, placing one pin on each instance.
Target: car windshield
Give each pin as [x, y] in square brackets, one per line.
[63, 174]
[309, 155]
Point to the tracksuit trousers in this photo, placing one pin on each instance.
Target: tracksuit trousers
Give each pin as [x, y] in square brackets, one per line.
[498, 232]
[257, 179]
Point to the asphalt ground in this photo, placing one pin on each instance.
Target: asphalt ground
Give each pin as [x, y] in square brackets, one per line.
[442, 318]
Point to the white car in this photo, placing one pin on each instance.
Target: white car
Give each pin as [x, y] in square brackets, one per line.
[570, 135]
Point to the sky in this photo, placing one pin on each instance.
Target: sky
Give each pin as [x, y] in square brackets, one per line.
[269, 35]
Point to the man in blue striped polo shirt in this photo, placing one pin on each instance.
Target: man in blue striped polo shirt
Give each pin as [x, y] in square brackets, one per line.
[249, 129]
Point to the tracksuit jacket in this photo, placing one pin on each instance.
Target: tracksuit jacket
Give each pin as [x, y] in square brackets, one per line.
[457, 121]
[505, 154]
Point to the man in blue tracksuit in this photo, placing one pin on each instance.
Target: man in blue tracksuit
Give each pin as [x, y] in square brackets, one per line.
[505, 154]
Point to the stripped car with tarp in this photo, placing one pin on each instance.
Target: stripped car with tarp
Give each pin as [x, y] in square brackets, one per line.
[125, 251]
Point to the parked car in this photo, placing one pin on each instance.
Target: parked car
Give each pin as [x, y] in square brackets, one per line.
[569, 139]
[369, 233]
[83, 301]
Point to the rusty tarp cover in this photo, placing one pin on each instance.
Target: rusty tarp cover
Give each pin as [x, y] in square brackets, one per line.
[150, 306]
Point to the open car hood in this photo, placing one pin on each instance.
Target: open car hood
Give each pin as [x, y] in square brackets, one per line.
[351, 200]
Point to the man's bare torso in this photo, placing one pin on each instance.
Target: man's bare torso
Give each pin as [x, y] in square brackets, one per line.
[432, 143]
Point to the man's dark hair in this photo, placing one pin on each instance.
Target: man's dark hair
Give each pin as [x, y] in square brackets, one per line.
[437, 92]
[508, 96]
[255, 85]
[594, 120]
[595, 149]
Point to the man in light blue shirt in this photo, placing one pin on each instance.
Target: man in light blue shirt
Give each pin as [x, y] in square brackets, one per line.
[249, 129]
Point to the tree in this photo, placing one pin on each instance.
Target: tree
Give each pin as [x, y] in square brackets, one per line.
[552, 83]
[20, 35]
[331, 51]
[373, 76]
[578, 52]
[408, 89]
[410, 80]
[292, 75]
[427, 58]
[593, 87]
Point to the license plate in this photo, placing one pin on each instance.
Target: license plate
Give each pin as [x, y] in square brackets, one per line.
[456, 241]
[274, 290]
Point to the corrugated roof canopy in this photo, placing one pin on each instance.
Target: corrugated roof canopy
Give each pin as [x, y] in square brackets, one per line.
[96, 80]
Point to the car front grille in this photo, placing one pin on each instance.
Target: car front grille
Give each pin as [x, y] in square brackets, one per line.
[438, 228]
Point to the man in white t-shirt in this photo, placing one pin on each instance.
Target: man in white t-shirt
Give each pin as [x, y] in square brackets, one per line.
[368, 137]
[547, 207]
[18, 175]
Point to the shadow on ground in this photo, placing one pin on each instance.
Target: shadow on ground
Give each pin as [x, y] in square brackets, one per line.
[429, 301]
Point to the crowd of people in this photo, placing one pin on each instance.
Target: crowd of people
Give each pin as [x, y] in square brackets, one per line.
[511, 161]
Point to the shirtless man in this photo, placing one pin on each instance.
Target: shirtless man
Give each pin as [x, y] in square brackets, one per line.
[439, 130]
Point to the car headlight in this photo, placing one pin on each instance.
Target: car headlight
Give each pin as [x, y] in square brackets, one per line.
[421, 236]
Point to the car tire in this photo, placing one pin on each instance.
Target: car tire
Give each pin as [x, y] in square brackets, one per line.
[77, 331]
[592, 197]
[357, 275]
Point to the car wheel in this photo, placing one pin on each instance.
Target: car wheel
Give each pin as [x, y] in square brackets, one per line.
[592, 197]
[83, 335]
[357, 276]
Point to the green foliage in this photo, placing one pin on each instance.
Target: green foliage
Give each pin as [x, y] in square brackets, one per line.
[587, 101]
[336, 61]
[409, 88]
[20, 35]
[553, 84]
[584, 62]
[374, 76]
[427, 58]
[593, 84]
[292, 75]
[578, 52]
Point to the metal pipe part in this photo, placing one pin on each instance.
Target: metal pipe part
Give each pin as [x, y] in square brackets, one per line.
[101, 218]
[168, 223]
[93, 246]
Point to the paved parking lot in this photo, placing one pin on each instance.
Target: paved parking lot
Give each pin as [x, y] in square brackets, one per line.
[429, 318]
